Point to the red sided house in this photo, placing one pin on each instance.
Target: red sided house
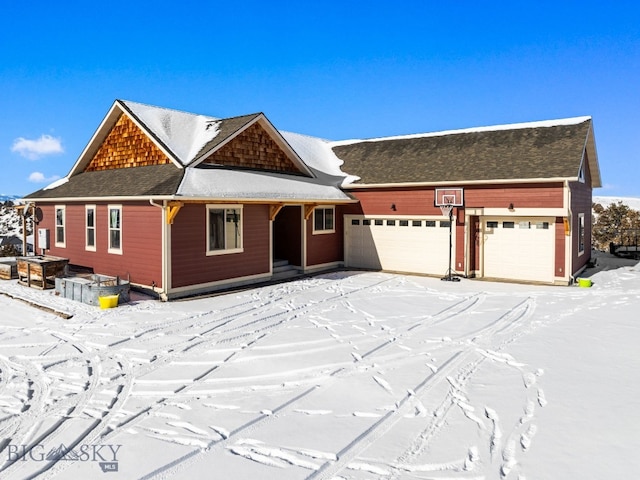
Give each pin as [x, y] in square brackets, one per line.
[183, 203]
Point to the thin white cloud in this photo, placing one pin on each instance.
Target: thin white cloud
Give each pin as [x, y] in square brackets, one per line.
[34, 149]
[38, 177]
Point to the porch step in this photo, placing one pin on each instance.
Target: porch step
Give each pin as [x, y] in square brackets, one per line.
[282, 270]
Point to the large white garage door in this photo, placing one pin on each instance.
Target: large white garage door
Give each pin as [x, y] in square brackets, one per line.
[519, 248]
[417, 245]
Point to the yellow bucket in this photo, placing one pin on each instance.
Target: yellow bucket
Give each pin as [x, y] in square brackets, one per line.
[108, 301]
[584, 282]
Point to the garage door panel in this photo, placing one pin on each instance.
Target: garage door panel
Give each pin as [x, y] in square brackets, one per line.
[519, 248]
[406, 248]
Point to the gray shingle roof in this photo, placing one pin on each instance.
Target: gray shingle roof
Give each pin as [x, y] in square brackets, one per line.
[154, 180]
[503, 154]
[226, 128]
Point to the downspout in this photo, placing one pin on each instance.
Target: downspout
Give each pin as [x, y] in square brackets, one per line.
[165, 276]
[568, 246]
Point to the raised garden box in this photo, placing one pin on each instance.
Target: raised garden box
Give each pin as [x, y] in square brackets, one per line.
[8, 269]
[40, 271]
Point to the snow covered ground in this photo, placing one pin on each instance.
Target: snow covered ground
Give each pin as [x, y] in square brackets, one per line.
[348, 375]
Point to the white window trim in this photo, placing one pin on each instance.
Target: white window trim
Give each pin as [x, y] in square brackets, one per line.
[328, 231]
[581, 234]
[225, 251]
[117, 251]
[62, 244]
[91, 248]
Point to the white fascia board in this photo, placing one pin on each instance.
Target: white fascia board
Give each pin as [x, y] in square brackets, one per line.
[458, 183]
[146, 198]
[525, 212]
[267, 201]
[98, 136]
[142, 198]
[275, 135]
[592, 155]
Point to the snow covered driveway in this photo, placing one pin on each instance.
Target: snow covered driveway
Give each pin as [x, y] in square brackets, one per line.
[348, 375]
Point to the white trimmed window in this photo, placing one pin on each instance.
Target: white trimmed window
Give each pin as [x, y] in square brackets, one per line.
[581, 177]
[60, 226]
[115, 229]
[581, 238]
[224, 229]
[90, 227]
[323, 220]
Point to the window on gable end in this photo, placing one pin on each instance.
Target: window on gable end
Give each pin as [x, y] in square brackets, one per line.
[581, 176]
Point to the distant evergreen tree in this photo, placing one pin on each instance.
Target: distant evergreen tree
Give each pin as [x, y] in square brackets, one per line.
[614, 224]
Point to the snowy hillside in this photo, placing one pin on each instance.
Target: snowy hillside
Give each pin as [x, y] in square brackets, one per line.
[10, 221]
[631, 202]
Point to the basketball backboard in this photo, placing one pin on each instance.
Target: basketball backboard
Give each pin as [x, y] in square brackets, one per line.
[453, 197]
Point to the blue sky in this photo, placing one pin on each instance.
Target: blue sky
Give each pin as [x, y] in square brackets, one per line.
[330, 69]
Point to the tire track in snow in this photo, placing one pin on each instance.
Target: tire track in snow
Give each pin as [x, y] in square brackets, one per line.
[472, 353]
[79, 403]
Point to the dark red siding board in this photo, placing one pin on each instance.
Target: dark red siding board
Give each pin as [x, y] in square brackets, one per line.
[326, 247]
[581, 202]
[420, 200]
[561, 239]
[141, 259]
[191, 266]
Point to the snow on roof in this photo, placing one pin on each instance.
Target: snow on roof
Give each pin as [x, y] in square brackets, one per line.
[183, 133]
[512, 126]
[57, 183]
[244, 184]
[317, 154]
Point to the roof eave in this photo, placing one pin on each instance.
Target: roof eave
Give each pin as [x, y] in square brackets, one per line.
[112, 198]
[198, 199]
[592, 156]
[356, 186]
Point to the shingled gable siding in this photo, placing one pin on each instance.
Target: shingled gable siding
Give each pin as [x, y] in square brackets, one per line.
[126, 146]
[191, 266]
[141, 257]
[254, 148]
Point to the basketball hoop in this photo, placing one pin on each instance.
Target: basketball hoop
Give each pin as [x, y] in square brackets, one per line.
[446, 199]
[446, 209]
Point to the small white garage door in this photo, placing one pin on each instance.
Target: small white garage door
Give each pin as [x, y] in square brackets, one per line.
[417, 245]
[519, 248]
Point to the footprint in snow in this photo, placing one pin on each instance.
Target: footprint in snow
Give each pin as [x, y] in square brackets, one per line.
[529, 379]
[542, 401]
[525, 438]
